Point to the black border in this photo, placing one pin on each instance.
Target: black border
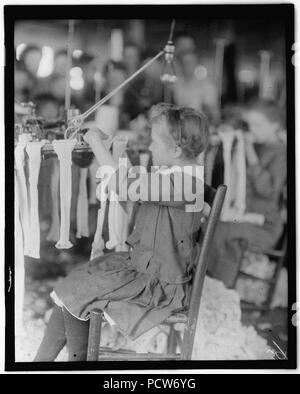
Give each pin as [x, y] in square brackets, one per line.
[12, 13]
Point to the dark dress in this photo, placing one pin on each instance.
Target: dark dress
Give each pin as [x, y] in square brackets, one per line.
[140, 288]
[265, 183]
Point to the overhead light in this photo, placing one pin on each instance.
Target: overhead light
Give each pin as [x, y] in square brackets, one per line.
[116, 44]
[46, 64]
[76, 78]
[77, 53]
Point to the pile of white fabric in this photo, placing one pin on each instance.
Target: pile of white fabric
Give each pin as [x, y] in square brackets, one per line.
[256, 291]
[219, 333]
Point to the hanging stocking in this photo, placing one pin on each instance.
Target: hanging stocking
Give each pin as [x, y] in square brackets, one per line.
[210, 159]
[63, 149]
[53, 234]
[82, 216]
[227, 138]
[117, 216]
[19, 264]
[92, 182]
[23, 197]
[102, 195]
[98, 243]
[240, 198]
[114, 240]
[33, 150]
[122, 224]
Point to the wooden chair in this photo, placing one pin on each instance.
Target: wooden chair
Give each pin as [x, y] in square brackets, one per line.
[215, 200]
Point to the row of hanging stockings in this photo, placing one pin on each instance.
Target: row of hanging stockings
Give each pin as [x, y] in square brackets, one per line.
[29, 155]
[234, 176]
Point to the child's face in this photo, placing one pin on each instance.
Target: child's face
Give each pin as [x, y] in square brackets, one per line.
[261, 128]
[163, 151]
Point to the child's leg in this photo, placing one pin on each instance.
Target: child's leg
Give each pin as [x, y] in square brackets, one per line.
[77, 332]
[54, 338]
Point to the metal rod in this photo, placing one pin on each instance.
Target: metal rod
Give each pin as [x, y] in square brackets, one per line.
[69, 65]
[172, 30]
[219, 66]
[118, 88]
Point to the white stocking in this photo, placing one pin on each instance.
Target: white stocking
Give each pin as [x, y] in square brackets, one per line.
[19, 264]
[53, 234]
[82, 216]
[23, 196]
[63, 149]
[102, 195]
[98, 243]
[227, 138]
[240, 198]
[93, 184]
[117, 217]
[114, 239]
[33, 150]
[121, 224]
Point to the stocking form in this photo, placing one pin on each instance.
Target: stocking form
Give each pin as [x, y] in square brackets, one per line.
[117, 216]
[93, 184]
[82, 216]
[235, 178]
[33, 150]
[23, 197]
[240, 198]
[63, 149]
[227, 138]
[19, 265]
[102, 195]
[98, 243]
[53, 234]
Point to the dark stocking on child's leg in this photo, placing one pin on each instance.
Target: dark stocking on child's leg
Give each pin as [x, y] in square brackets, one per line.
[77, 332]
[54, 338]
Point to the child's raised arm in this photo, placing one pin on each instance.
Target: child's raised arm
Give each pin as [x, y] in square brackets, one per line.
[94, 137]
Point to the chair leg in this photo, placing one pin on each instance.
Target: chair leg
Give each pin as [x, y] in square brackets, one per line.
[243, 245]
[94, 336]
[172, 341]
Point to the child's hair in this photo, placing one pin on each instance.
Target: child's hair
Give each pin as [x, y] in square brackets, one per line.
[269, 109]
[188, 127]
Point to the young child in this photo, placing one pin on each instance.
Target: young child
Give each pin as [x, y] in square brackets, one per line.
[139, 289]
[266, 177]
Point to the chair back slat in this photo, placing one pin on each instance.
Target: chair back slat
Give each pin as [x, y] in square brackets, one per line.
[217, 199]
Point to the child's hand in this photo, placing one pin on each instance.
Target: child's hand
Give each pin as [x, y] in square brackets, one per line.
[94, 134]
